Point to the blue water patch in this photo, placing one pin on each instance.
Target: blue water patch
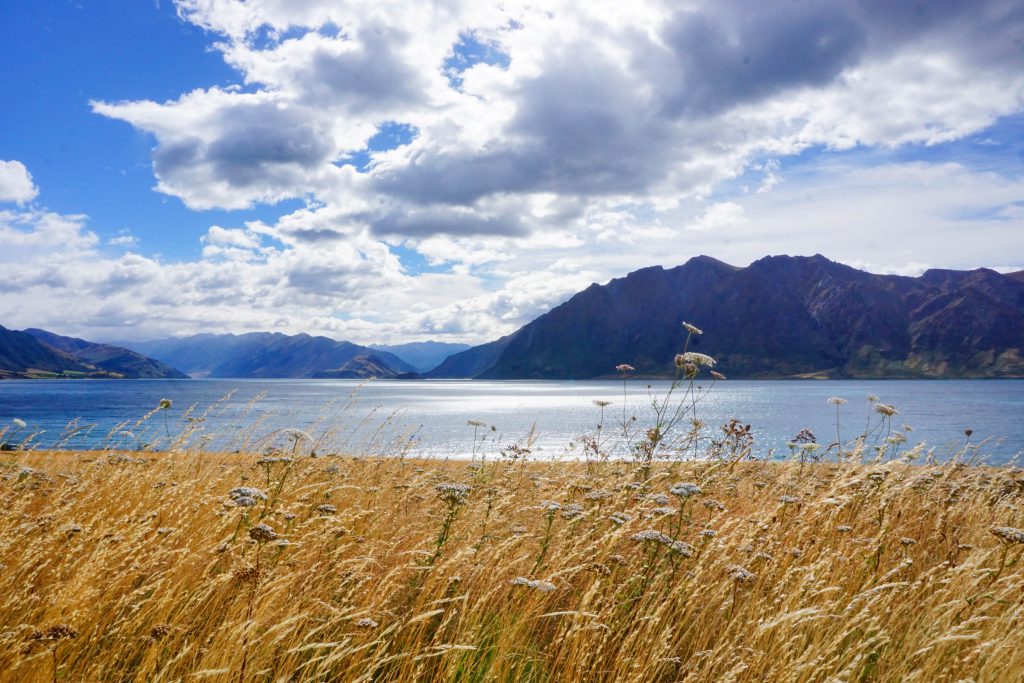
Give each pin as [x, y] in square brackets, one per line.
[430, 417]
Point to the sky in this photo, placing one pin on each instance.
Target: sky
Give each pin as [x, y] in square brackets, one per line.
[390, 171]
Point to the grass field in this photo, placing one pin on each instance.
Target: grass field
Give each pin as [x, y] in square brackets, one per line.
[164, 567]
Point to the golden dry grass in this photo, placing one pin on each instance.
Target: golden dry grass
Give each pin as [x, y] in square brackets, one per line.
[867, 573]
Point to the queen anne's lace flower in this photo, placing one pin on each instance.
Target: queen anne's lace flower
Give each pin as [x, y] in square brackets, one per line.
[1008, 534]
[536, 584]
[684, 549]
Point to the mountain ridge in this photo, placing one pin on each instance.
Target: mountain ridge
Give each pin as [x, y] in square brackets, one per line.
[36, 353]
[271, 355]
[781, 316]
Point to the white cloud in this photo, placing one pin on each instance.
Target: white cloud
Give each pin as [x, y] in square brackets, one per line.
[16, 183]
[719, 216]
[608, 136]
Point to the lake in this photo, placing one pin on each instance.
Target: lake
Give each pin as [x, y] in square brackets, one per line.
[430, 417]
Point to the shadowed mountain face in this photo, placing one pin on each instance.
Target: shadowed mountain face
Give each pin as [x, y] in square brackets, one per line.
[270, 355]
[110, 358]
[38, 353]
[779, 317]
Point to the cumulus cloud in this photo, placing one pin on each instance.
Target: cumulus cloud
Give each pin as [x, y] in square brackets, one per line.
[16, 183]
[582, 141]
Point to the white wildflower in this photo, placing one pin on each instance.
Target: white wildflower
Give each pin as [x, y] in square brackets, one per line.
[453, 493]
[741, 574]
[685, 490]
[1008, 534]
[536, 584]
[684, 549]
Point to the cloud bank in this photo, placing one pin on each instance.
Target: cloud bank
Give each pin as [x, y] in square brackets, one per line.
[548, 147]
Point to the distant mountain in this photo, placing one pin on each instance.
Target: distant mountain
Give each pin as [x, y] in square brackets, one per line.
[1019, 275]
[360, 367]
[270, 354]
[472, 362]
[39, 354]
[781, 316]
[422, 356]
[113, 359]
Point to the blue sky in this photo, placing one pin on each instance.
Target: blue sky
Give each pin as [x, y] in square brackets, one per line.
[388, 172]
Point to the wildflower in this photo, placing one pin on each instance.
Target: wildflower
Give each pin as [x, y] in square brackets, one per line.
[685, 490]
[549, 506]
[572, 511]
[326, 509]
[366, 622]
[452, 493]
[602, 404]
[73, 528]
[165, 403]
[625, 367]
[536, 584]
[741, 574]
[796, 553]
[907, 541]
[717, 375]
[662, 511]
[886, 410]
[809, 447]
[476, 423]
[57, 632]
[274, 460]
[246, 496]
[692, 329]
[708, 534]
[786, 500]
[159, 632]
[1008, 534]
[18, 422]
[166, 530]
[844, 528]
[836, 401]
[684, 549]
[262, 533]
[968, 432]
[658, 498]
[872, 398]
[599, 494]
[619, 518]
[696, 359]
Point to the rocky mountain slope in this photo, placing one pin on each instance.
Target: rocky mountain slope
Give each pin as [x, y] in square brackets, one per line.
[781, 316]
[37, 353]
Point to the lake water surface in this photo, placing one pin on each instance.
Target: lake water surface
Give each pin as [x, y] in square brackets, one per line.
[431, 417]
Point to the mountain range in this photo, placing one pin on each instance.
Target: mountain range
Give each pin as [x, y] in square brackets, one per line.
[273, 354]
[422, 356]
[37, 353]
[781, 316]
